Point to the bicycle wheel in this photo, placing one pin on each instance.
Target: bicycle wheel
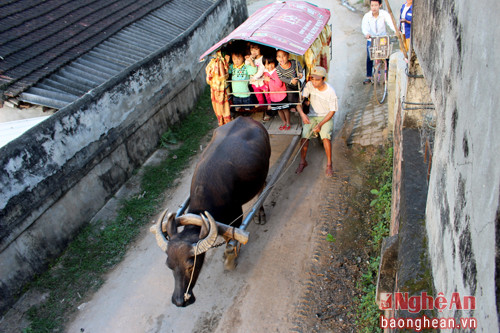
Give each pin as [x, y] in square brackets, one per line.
[380, 81]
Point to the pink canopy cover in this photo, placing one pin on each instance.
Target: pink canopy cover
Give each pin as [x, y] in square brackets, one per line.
[289, 26]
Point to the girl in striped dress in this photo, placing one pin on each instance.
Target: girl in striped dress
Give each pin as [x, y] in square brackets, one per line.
[290, 72]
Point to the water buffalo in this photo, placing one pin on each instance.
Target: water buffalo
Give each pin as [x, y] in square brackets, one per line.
[231, 171]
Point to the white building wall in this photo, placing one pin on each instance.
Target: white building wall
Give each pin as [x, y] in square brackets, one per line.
[458, 51]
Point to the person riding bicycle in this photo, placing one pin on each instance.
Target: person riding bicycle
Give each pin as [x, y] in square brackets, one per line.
[373, 25]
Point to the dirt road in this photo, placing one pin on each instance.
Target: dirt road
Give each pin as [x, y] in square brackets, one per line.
[264, 293]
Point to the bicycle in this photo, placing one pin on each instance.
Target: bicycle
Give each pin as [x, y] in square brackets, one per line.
[380, 50]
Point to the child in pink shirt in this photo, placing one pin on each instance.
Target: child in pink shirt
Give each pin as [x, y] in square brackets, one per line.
[256, 80]
[276, 93]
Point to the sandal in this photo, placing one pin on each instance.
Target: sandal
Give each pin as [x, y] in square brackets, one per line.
[266, 118]
[287, 128]
[329, 171]
[367, 81]
[282, 127]
[301, 167]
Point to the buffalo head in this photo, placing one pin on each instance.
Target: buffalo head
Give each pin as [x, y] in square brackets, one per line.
[185, 250]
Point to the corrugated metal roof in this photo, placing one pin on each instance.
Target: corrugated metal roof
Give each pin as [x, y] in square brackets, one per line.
[38, 37]
[114, 54]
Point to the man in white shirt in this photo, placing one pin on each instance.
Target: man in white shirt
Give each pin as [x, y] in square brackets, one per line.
[373, 25]
[322, 106]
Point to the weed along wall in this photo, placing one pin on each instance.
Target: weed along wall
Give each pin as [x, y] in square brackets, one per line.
[58, 175]
[460, 62]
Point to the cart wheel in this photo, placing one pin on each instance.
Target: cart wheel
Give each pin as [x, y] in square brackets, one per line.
[380, 81]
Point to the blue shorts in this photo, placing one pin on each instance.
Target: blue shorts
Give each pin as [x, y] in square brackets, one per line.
[326, 129]
[242, 100]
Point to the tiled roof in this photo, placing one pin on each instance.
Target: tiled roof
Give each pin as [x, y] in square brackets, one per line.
[39, 38]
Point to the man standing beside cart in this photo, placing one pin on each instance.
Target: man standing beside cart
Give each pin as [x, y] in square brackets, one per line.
[323, 104]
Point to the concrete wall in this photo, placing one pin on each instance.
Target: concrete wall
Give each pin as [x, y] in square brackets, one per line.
[59, 174]
[456, 47]
[409, 106]
[396, 86]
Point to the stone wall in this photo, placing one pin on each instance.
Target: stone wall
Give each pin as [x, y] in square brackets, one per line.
[459, 59]
[404, 266]
[60, 173]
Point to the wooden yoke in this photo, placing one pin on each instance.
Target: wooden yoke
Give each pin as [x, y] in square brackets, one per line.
[223, 230]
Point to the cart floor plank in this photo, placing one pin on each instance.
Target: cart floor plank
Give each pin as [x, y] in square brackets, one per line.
[274, 124]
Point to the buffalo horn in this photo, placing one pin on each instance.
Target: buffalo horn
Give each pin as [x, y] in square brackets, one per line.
[190, 219]
[157, 229]
[171, 227]
[206, 243]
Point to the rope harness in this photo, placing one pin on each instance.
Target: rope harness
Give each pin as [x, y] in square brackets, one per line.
[186, 295]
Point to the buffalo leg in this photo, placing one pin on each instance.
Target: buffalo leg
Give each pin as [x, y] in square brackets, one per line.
[262, 216]
[230, 255]
[261, 219]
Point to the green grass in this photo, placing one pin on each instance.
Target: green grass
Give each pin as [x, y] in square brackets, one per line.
[379, 180]
[99, 247]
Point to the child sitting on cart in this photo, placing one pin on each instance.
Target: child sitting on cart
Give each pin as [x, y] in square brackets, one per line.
[289, 71]
[256, 80]
[240, 75]
[277, 93]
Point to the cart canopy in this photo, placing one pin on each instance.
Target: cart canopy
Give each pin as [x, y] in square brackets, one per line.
[289, 26]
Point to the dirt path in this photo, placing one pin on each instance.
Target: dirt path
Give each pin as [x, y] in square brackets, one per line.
[271, 289]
